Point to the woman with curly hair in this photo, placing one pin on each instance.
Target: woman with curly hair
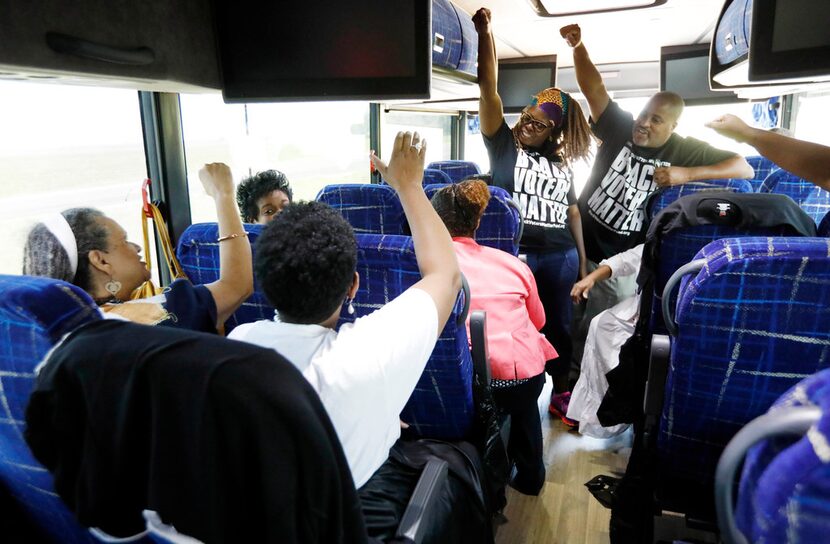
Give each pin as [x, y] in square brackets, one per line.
[533, 162]
[263, 196]
[503, 286]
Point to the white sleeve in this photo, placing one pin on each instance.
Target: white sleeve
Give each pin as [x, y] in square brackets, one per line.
[384, 353]
[625, 263]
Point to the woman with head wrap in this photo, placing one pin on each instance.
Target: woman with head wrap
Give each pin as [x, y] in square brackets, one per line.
[533, 162]
[84, 247]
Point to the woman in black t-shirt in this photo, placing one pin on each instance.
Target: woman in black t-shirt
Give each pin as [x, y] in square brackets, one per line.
[532, 161]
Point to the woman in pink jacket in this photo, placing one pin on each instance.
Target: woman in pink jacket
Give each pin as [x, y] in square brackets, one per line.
[503, 286]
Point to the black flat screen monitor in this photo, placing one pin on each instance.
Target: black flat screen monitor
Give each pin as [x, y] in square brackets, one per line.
[272, 51]
[684, 69]
[519, 82]
[789, 39]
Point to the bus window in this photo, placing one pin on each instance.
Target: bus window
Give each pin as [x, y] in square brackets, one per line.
[811, 117]
[314, 144]
[436, 128]
[474, 149]
[62, 147]
[695, 117]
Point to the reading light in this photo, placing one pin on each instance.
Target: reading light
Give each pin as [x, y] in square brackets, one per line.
[563, 8]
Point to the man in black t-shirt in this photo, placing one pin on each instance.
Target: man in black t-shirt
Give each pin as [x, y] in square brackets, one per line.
[635, 157]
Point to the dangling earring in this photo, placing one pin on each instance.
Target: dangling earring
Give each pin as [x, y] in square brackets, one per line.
[350, 307]
[113, 287]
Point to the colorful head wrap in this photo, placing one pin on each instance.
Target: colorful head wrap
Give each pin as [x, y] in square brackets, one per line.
[554, 103]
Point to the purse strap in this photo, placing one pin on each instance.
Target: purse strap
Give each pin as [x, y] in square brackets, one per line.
[151, 211]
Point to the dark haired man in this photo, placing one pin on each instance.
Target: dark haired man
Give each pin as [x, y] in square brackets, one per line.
[263, 196]
[636, 157]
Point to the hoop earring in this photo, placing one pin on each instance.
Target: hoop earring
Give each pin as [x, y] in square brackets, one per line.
[113, 287]
[350, 306]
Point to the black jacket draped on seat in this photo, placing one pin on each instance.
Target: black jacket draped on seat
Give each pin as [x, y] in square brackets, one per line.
[227, 441]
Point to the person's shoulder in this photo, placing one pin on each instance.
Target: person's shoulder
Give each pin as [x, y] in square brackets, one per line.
[612, 118]
[241, 332]
[499, 257]
[501, 134]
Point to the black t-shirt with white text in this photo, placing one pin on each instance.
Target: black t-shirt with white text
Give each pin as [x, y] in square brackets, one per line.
[611, 204]
[542, 188]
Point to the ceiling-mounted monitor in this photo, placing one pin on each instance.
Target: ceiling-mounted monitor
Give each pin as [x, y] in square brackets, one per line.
[684, 69]
[761, 43]
[789, 39]
[520, 79]
[324, 50]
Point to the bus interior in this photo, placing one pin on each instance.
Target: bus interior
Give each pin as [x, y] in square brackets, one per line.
[99, 96]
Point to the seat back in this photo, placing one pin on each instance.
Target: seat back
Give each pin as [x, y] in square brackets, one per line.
[763, 167]
[663, 197]
[457, 170]
[369, 209]
[198, 253]
[433, 175]
[751, 324]
[784, 493]
[680, 247]
[501, 225]
[34, 314]
[810, 197]
[442, 404]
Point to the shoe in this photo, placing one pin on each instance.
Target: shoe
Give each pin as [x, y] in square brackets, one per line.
[559, 407]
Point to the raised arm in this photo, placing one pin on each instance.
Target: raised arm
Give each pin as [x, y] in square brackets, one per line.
[236, 278]
[587, 75]
[733, 167]
[440, 275]
[805, 159]
[490, 109]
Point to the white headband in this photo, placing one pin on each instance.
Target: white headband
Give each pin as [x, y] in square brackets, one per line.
[59, 227]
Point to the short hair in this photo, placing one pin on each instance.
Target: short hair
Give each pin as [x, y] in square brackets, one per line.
[305, 262]
[673, 100]
[461, 205]
[257, 186]
[43, 254]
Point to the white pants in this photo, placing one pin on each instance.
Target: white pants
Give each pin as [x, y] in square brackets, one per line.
[607, 333]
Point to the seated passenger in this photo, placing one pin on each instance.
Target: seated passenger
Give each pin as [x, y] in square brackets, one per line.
[503, 286]
[607, 333]
[306, 264]
[86, 248]
[263, 196]
[807, 160]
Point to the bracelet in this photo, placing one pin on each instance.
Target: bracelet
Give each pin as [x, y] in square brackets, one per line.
[232, 236]
[577, 44]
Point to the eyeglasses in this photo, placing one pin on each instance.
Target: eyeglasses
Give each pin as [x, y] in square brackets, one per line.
[538, 126]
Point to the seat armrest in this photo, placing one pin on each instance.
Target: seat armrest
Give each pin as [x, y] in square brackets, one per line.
[418, 516]
[689, 268]
[478, 345]
[791, 421]
[658, 369]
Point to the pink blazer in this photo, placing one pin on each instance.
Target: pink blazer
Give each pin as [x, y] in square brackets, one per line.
[503, 286]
